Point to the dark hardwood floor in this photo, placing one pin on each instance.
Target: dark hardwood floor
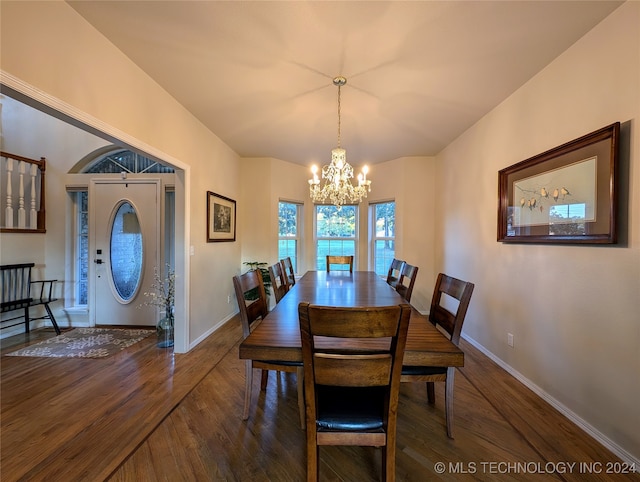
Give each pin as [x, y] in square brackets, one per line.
[147, 414]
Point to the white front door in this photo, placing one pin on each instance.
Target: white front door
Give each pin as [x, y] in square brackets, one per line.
[124, 242]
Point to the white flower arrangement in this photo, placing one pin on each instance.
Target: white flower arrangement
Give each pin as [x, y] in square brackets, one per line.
[162, 292]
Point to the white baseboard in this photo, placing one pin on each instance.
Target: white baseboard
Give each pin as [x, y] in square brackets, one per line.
[13, 330]
[19, 328]
[210, 331]
[624, 455]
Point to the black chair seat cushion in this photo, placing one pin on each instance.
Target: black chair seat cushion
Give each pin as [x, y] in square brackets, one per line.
[412, 370]
[350, 408]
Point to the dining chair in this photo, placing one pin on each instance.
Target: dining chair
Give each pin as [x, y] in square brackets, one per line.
[341, 260]
[252, 312]
[289, 273]
[394, 272]
[278, 282]
[407, 279]
[351, 395]
[445, 314]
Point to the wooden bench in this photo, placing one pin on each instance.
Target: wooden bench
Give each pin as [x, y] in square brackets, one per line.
[19, 292]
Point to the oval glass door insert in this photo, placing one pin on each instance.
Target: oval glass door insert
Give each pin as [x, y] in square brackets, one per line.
[126, 252]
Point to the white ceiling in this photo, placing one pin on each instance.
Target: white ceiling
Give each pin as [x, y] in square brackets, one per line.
[419, 73]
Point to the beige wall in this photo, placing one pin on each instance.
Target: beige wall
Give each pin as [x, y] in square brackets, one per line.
[573, 310]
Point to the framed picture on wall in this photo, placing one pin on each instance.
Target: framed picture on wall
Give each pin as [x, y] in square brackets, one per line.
[221, 218]
[565, 195]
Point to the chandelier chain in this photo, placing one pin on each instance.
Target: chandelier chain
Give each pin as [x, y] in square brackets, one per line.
[339, 117]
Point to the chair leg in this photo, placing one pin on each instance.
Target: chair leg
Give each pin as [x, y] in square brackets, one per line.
[313, 459]
[431, 392]
[264, 379]
[448, 398]
[27, 320]
[301, 408]
[248, 377]
[52, 318]
[389, 462]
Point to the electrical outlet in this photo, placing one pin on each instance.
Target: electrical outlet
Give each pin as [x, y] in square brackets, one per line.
[228, 298]
[510, 339]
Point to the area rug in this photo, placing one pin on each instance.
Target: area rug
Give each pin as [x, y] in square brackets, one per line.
[85, 343]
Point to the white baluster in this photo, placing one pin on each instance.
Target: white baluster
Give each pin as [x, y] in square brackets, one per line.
[33, 214]
[22, 214]
[8, 212]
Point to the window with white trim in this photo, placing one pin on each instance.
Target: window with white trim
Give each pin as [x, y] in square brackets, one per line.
[289, 227]
[81, 247]
[336, 233]
[383, 235]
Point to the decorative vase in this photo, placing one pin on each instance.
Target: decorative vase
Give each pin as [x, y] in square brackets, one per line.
[164, 329]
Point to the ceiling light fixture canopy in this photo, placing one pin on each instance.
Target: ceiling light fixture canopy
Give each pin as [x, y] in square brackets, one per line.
[338, 188]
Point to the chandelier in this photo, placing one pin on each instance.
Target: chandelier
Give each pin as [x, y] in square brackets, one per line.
[338, 188]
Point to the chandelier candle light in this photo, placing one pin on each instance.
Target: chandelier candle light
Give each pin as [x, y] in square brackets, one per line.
[338, 188]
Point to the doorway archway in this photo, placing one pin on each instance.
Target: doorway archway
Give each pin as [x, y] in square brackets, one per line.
[58, 109]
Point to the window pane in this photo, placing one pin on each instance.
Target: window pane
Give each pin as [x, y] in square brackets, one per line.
[128, 161]
[385, 216]
[335, 247]
[82, 289]
[170, 229]
[384, 253]
[84, 223]
[84, 201]
[332, 222]
[384, 250]
[288, 221]
[287, 248]
[126, 252]
[82, 247]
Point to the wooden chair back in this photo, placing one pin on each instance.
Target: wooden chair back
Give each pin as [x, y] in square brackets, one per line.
[289, 273]
[341, 260]
[450, 320]
[278, 282]
[250, 285]
[351, 395]
[407, 279]
[394, 272]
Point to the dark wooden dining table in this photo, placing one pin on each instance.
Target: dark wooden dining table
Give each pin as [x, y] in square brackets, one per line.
[277, 337]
